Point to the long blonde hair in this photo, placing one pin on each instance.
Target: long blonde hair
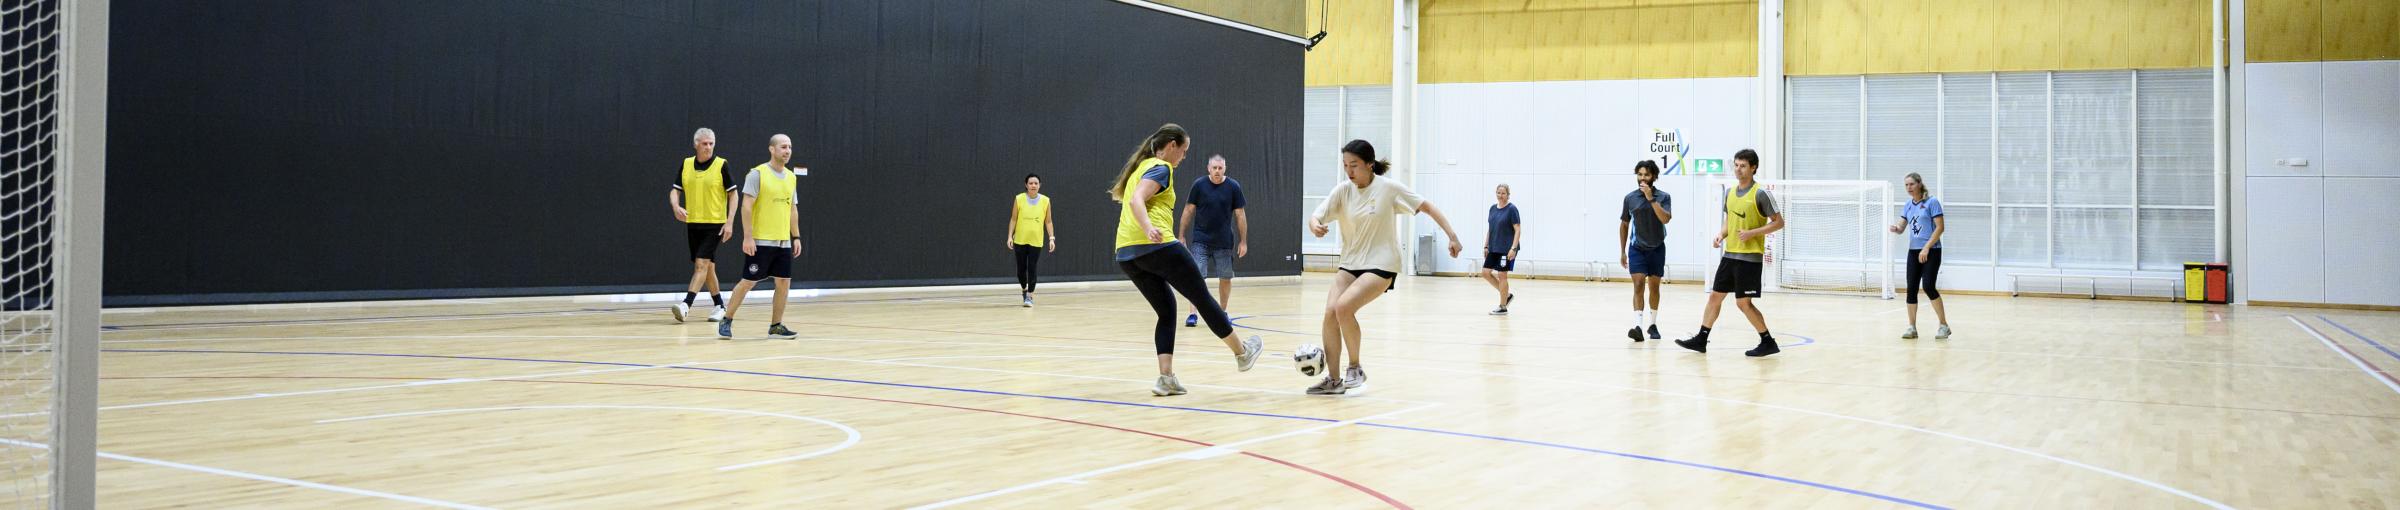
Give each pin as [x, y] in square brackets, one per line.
[1167, 134]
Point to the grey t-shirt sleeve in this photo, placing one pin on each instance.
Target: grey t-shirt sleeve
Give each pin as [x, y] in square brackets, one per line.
[1625, 209]
[750, 184]
[1158, 173]
[1766, 204]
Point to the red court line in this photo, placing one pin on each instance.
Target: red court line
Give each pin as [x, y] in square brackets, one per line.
[1387, 499]
[2372, 369]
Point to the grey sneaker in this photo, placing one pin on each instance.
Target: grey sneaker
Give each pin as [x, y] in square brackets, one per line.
[1251, 350]
[1167, 386]
[1353, 377]
[1911, 334]
[1942, 334]
[778, 331]
[1329, 386]
[1500, 311]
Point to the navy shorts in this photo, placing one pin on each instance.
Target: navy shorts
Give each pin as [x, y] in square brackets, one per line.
[770, 262]
[1499, 262]
[1646, 261]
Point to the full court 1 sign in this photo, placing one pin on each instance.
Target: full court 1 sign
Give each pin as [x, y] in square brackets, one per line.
[1668, 147]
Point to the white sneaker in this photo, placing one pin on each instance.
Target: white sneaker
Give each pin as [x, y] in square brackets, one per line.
[1911, 334]
[1942, 334]
[679, 310]
[1353, 377]
[1251, 350]
[1166, 386]
[717, 315]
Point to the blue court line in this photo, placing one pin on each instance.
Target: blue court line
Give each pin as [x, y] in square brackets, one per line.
[2370, 341]
[1636, 456]
[1753, 474]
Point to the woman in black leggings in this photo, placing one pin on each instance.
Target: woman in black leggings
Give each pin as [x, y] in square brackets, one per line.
[1156, 262]
[1921, 220]
[1028, 220]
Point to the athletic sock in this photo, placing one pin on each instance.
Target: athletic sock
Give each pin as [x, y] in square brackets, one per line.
[687, 298]
[713, 297]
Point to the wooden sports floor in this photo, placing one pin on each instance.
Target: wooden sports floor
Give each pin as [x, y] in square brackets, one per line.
[899, 399]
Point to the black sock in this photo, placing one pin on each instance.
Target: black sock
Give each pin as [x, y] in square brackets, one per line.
[1703, 333]
[687, 298]
[1765, 337]
[719, 299]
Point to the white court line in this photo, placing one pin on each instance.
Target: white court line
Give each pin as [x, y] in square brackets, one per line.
[846, 443]
[137, 328]
[264, 478]
[2361, 364]
[2096, 469]
[1035, 356]
[544, 375]
[1091, 377]
[1197, 454]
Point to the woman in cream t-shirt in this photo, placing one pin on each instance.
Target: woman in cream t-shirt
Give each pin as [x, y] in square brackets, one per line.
[1368, 207]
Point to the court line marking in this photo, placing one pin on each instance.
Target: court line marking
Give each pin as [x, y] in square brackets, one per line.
[1093, 377]
[862, 382]
[264, 478]
[2088, 467]
[1379, 495]
[2370, 341]
[851, 440]
[1478, 363]
[623, 367]
[1220, 449]
[2377, 373]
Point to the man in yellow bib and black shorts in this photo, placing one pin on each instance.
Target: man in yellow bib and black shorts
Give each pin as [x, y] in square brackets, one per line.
[770, 234]
[703, 211]
[1750, 215]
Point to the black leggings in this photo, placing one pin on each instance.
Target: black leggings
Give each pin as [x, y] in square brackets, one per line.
[1927, 271]
[1172, 266]
[1028, 257]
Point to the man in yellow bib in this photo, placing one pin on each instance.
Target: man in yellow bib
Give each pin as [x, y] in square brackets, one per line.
[1750, 215]
[704, 176]
[770, 234]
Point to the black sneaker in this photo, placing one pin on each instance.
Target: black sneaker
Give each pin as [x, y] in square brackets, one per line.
[778, 331]
[1635, 334]
[1765, 347]
[1653, 332]
[1696, 344]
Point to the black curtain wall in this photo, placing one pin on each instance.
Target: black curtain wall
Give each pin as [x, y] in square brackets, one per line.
[264, 151]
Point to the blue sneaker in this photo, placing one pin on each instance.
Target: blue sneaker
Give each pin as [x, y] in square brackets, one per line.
[1192, 322]
[725, 328]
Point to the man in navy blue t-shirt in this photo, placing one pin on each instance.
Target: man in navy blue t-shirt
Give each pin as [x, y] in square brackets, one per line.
[1216, 229]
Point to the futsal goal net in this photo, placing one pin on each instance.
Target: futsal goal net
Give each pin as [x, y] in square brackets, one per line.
[1834, 239]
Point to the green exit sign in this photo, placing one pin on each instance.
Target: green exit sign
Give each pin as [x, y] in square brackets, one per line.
[1708, 166]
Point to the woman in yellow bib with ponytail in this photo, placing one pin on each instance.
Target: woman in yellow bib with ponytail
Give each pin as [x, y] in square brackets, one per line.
[1157, 263]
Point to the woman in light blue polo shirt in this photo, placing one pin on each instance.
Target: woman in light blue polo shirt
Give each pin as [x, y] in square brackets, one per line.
[1921, 220]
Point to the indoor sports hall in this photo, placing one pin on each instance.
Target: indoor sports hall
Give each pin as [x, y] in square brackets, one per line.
[1503, 254]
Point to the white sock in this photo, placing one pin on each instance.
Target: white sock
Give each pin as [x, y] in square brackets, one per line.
[1651, 318]
[1637, 319]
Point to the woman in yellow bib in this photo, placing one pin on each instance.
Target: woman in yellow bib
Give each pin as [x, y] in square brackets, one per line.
[1028, 221]
[1159, 265]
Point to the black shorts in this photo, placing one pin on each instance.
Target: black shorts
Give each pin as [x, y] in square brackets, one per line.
[770, 262]
[1388, 276]
[1499, 262]
[701, 241]
[1738, 277]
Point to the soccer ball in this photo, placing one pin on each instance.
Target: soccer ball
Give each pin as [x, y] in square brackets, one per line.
[1310, 358]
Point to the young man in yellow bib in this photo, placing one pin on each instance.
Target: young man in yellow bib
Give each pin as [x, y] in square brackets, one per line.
[1750, 215]
[770, 234]
[705, 227]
